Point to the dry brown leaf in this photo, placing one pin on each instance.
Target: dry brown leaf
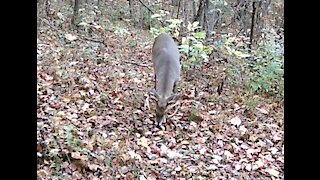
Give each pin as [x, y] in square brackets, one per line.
[238, 167]
[242, 129]
[273, 172]
[143, 141]
[211, 167]
[42, 173]
[129, 176]
[93, 167]
[228, 154]
[259, 163]
[262, 110]
[235, 121]
[202, 150]
[248, 167]
[273, 150]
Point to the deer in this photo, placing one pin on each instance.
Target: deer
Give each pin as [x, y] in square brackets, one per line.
[166, 65]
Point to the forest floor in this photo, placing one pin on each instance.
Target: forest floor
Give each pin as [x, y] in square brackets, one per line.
[95, 118]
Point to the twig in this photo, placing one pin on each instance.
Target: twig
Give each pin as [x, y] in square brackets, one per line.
[90, 39]
[47, 23]
[162, 23]
[132, 62]
[146, 6]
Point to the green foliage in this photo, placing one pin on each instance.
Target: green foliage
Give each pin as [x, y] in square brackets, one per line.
[172, 28]
[251, 101]
[115, 16]
[267, 70]
[119, 31]
[144, 17]
[73, 141]
[222, 6]
[261, 71]
[133, 44]
[192, 47]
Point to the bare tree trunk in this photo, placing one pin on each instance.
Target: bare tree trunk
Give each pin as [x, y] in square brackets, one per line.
[205, 15]
[175, 2]
[130, 8]
[252, 22]
[48, 3]
[213, 19]
[176, 5]
[75, 12]
[185, 15]
[200, 11]
[194, 8]
[97, 11]
[179, 5]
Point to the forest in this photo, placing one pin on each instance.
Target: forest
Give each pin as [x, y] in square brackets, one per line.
[106, 69]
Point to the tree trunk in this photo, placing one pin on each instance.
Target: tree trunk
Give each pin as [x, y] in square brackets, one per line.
[47, 7]
[205, 15]
[75, 12]
[179, 5]
[252, 22]
[200, 11]
[194, 8]
[130, 8]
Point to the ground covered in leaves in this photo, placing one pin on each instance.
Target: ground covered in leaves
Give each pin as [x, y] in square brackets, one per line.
[95, 118]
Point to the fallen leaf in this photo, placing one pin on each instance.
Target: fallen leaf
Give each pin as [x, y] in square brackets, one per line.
[273, 150]
[129, 176]
[93, 167]
[201, 140]
[173, 154]
[143, 141]
[76, 155]
[248, 167]
[212, 112]
[235, 121]
[262, 110]
[70, 37]
[178, 169]
[242, 129]
[238, 167]
[217, 157]
[124, 169]
[163, 160]
[259, 163]
[277, 137]
[228, 154]
[184, 142]
[212, 167]
[202, 151]
[61, 114]
[42, 173]
[125, 157]
[85, 106]
[272, 172]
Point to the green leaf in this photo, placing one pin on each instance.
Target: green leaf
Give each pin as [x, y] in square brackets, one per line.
[200, 35]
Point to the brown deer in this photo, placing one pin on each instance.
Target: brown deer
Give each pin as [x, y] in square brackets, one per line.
[166, 64]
